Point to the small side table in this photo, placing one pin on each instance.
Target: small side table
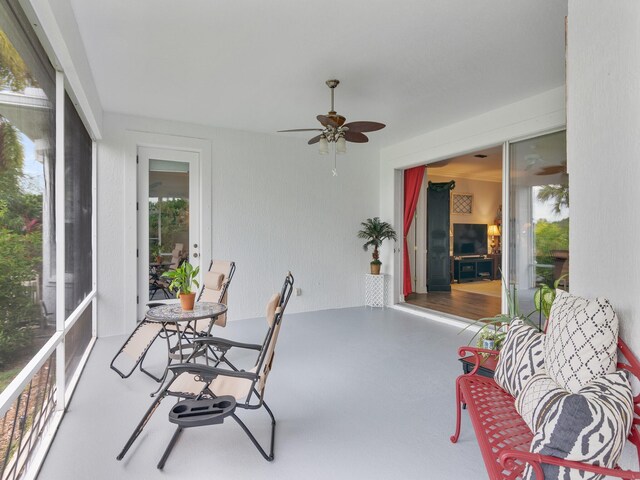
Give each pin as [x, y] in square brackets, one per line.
[487, 368]
[375, 292]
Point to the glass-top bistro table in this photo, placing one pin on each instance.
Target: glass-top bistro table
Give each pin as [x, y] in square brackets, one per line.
[176, 321]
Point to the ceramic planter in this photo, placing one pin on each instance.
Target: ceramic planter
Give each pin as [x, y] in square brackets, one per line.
[187, 300]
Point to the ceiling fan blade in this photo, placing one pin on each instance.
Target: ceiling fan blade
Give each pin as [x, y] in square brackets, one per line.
[355, 137]
[315, 139]
[552, 170]
[326, 121]
[364, 126]
[301, 130]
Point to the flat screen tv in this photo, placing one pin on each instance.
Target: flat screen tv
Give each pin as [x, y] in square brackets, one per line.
[469, 239]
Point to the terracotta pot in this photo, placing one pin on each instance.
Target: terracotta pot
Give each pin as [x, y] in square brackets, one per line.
[375, 269]
[187, 300]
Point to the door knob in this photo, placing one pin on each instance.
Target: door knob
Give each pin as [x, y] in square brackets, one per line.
[195, 255]
[195, 245]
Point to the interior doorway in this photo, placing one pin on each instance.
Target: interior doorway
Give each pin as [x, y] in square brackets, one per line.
[168, 217]
[529, 242]
[473, 225]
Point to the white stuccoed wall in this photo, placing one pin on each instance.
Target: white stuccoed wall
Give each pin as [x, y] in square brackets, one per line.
[603, 144]
[276, 207]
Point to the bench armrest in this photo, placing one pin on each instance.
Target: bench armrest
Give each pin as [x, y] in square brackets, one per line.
[508, 458]
[477, 353]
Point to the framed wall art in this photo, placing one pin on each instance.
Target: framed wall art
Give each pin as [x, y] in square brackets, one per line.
[462, 203]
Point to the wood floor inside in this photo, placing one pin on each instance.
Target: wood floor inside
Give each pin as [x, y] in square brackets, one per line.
[465, 304]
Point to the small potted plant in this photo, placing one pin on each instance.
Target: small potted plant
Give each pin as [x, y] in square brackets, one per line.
[374, 232]
[156, 253]
[182, 279]
[494, 330]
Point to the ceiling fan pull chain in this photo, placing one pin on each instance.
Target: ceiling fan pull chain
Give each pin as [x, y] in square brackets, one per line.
[335, 163]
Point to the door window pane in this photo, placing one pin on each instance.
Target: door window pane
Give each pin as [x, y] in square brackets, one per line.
[168, 221]
[539, 216]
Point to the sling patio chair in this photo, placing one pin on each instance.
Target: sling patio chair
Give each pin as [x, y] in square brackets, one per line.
[214, 289]
[210, 394]
[156, 281]
[177, 256]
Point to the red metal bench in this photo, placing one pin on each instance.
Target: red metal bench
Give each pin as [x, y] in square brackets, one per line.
[503, 436]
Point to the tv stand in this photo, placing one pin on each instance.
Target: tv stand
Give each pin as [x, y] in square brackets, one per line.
[473, 269]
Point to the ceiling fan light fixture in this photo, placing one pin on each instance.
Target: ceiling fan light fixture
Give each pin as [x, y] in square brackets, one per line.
[341, 145]
[323, 146]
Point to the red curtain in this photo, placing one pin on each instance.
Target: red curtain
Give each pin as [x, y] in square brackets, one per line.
[412, 182]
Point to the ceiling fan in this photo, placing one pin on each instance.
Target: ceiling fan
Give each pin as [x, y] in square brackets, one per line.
[552, 170]
[335, 130]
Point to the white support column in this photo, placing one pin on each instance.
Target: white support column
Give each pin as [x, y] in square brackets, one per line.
[60, 241]
[94, 237]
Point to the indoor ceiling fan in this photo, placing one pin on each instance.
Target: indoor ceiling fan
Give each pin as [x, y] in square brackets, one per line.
[335, 130]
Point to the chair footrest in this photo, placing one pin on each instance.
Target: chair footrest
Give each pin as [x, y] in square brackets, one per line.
[204, 411]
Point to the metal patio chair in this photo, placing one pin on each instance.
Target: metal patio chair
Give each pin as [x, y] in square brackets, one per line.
[210, 393]
[214, 289]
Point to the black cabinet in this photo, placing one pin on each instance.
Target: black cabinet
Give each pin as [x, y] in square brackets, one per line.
[438, 271]
[473, 269]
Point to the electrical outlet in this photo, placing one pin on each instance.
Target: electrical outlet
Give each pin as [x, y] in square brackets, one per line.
[298, 292]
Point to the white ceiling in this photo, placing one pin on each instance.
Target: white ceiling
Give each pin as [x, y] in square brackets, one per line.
[261, 65]
[469, 166]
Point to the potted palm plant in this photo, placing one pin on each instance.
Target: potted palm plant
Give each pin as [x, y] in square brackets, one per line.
[374, 232]
[182, 279]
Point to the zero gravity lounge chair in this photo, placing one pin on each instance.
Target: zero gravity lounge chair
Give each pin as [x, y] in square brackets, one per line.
[214, 289]
[210, 394]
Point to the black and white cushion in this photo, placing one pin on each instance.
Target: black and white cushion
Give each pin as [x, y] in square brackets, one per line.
[590, 426]
[521, 357]
[581, 340]
[534, 396]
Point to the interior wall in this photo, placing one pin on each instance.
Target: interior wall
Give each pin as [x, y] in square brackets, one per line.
[531, 116]
[603, 145]
[487, 197]
[276, 207]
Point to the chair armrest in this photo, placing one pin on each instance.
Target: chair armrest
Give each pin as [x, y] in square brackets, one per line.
[477, 355]
[225, 344]
[508, 458]
[209, 373]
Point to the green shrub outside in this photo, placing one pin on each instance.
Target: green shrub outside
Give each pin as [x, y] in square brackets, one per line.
[20, 256]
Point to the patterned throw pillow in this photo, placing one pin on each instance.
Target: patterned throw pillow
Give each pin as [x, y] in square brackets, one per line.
[590, 426]
[581, 341]
[534, 396]
[521, 357]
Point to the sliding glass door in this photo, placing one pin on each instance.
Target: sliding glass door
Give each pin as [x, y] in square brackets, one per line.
[538, 216]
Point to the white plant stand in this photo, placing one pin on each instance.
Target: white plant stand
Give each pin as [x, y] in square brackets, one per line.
[375, 291]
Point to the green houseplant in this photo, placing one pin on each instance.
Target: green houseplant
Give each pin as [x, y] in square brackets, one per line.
[494, 329]
[156, 251]
[182, 279]
[545, 295]
[375, 232]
